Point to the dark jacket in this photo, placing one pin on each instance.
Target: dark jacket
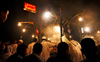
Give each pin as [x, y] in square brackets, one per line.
[15, 58]
[31, 58]
[59, 59]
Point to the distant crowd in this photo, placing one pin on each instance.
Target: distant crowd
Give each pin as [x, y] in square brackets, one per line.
[86, 51]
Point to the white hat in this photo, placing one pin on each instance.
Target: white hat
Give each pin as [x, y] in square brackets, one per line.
[43, 37]
[21, 41]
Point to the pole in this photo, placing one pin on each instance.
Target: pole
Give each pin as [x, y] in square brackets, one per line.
[61, 25]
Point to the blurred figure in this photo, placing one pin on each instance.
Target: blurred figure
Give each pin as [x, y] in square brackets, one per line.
[4, 53]
[20, 42]
[46, 49]
[1, 46]
[9, 48]
[62, 54]
[34, 57]
[89, 49]
[3, 16]
[75, 51]
[14, 45]
[19, 55]
[30, 47]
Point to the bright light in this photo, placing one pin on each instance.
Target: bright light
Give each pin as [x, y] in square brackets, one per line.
[98, 32]
[23, 30]
[92, 37]
[32, 36]
[80, 19]
[70, 36]
[57, 29]
[87, 29]
[47, 14]
[48, 38]
[19, 24]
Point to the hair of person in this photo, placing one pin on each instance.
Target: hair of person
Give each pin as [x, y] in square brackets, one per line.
[37, 49]
[88, 43]
[34, 39]
[4, 6]
[62, 47]
[21, 48]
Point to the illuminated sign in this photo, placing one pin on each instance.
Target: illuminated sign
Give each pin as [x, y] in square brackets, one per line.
[29, 7]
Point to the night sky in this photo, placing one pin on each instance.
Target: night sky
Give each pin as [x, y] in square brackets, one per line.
[69, 8]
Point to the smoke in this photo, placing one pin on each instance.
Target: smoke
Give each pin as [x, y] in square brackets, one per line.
[52, 32]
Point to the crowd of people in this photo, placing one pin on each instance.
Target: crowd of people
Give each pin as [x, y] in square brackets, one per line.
[86, 51]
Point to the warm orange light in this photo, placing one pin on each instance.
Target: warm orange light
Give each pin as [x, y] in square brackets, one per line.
[19, 24]
[23, 30]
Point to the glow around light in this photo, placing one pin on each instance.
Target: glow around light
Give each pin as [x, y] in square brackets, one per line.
[98, 31]
[48, 38]
[87, 29]
[57, 29]
[47, 14]
[70, 36]
[92, 37]
[19, 24]
[23, 30]
[80, 19]
[32, 36]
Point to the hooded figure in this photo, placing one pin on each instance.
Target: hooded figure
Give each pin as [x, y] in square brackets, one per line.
[46, 49]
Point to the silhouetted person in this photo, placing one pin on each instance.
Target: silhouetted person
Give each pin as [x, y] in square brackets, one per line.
[3, 53]
[62, 54]
[19, 55]
[89, 49]
[34, 57]
[3, 16]
[30, 46]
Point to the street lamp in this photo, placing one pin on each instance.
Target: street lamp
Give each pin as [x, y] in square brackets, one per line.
[80, 19]
[98, 31]
[24, 30]
[47, 14]
[19, 24]
[32, 36]
[87, 29]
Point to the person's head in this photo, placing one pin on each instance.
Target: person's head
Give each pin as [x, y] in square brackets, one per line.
[4, 10]
[22, 50]
[35, 40]
[63, 48]
[20, 42]
[88, 47]
[43, 38]
[37, 49]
